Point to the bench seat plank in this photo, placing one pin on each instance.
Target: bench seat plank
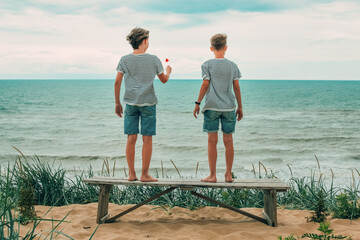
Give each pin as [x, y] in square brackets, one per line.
[264, 184]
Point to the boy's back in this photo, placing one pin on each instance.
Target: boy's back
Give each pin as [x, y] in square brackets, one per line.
[138, 70]
[221, 73]
[139, 73]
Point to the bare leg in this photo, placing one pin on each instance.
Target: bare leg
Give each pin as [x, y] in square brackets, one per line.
[146, 158]
[229, 155]
[212, 155]
[130, 156]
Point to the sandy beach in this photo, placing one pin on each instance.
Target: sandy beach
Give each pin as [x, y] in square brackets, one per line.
[152, 222]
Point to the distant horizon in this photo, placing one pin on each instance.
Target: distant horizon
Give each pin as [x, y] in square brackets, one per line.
[175, 79]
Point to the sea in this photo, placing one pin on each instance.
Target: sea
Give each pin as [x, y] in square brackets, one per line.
[290, 128]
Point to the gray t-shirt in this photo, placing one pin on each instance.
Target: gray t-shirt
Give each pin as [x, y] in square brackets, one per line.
[139, 73]
[221, 73]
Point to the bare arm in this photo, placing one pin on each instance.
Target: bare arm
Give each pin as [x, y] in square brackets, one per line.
[165, 77]
[118, 107]
[236, 87]
[203, 90]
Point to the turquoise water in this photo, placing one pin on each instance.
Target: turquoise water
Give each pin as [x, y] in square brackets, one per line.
[285, 123]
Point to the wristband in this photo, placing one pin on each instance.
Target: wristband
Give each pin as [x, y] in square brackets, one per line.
[197, 103]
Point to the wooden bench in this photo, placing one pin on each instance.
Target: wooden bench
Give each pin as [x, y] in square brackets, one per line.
[269, 186]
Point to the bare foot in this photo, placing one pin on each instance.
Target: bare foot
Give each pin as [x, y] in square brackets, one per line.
[209, 179]
[147, 178]
[228, 178]
[132, 178]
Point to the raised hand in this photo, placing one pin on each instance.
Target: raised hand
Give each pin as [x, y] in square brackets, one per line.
[168, 69]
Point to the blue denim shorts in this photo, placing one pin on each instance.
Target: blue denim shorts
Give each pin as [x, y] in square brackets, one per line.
[212, 119]
[145, 114]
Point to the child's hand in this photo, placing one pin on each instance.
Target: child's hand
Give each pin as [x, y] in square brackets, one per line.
[168, 69]
[118, 109]
[239, 114]
[196, 110]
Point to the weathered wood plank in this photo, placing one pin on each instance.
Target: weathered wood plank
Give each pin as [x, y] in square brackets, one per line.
[103, 203]
[186, 180]
[238, 183]
[270, 207]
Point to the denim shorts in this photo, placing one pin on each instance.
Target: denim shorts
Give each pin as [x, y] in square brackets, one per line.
[145, 114]
[212, 119]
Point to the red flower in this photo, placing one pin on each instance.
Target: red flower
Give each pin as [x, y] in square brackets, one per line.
[166, 60]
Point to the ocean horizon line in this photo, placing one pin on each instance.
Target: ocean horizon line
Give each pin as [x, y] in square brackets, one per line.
[175, 79]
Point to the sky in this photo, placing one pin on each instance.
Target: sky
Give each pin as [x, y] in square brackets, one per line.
[267, 39]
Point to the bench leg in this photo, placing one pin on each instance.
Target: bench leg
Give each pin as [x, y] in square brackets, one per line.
[103, 203]
[270, 207]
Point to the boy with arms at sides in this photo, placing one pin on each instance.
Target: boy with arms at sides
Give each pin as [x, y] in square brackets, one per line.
[219, 76]
[138, 70]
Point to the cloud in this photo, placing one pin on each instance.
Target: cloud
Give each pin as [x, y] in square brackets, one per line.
[162, 6]
[266, 44]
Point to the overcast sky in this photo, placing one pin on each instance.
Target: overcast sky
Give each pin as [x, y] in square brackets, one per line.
[268, 39]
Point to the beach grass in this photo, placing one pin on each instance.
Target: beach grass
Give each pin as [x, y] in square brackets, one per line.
[52, 186]
[12, 219]
[49, 188]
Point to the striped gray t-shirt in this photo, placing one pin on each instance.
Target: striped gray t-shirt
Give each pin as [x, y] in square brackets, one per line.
[221, 73]
[139, 73]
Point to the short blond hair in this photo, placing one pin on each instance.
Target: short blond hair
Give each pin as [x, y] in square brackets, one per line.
[136, 36]
[218, 41]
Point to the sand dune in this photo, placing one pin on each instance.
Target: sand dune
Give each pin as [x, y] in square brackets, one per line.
[149, 222]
